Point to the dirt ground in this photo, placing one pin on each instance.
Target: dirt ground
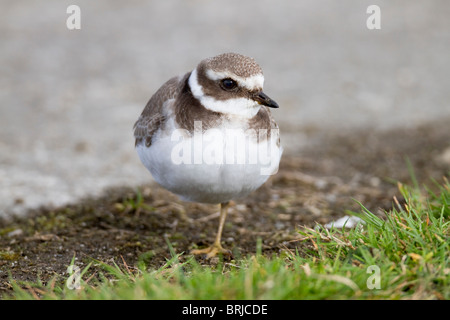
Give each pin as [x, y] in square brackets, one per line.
[317, 185]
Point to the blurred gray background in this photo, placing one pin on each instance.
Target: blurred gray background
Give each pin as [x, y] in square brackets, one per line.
[69, 98]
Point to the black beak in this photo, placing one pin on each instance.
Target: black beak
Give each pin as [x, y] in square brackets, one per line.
[264, 99]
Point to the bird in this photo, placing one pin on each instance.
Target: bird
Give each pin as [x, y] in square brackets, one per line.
[208, 135]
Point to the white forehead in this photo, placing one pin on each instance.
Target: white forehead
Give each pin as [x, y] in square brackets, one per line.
[254, 82]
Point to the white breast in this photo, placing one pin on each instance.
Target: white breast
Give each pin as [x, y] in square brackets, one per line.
[214, 167]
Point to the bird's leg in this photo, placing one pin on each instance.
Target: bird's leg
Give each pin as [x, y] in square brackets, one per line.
[216, 247]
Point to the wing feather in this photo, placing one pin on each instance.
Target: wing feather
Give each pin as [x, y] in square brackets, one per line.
[152, 117]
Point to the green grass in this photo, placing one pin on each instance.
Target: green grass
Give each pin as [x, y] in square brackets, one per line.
[402, 255]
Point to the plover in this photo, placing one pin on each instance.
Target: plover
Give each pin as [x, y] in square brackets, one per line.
[208, 135]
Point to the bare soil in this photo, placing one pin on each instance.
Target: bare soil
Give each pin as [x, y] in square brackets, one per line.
[316, 185]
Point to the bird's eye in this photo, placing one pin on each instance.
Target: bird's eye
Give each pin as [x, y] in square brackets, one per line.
[229, 84]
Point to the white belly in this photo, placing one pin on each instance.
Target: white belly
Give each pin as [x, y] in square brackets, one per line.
[213, 167]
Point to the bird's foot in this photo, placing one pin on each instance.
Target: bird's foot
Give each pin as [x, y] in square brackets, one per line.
[212, 251]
